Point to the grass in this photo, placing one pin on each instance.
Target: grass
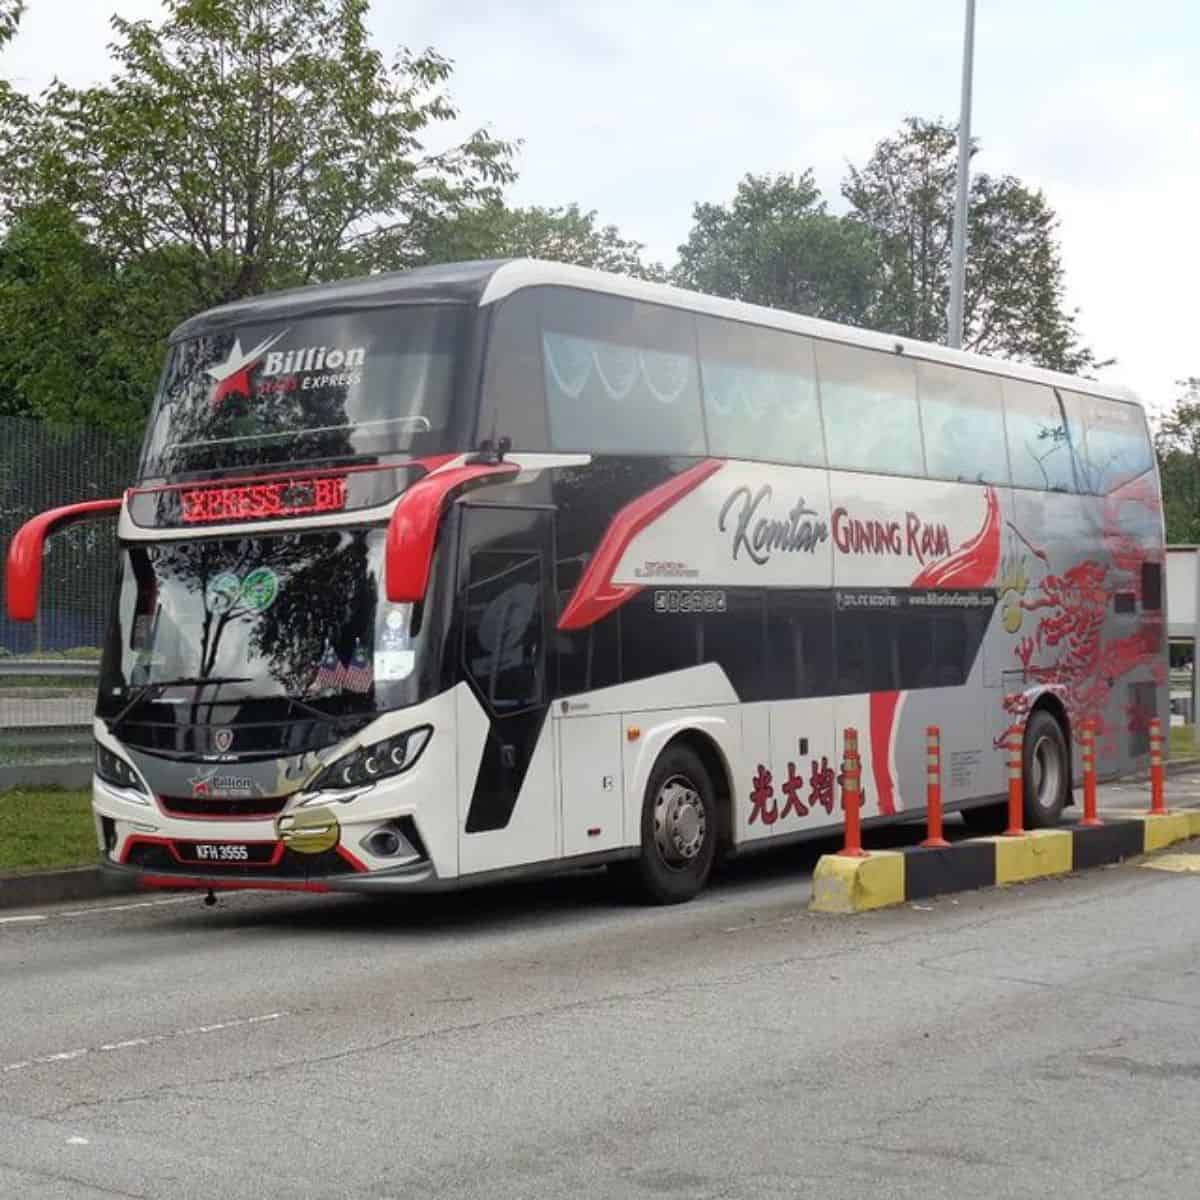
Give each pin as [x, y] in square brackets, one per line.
[41, 830]
[1183, 741]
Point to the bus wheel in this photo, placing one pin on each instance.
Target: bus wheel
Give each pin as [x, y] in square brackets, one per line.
[679, 830]
[1047, 771]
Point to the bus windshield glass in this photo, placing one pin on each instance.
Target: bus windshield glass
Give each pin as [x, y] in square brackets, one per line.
[320, 388]
[297, 616]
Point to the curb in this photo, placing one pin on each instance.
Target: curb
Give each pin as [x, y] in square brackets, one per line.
[53, 887]
[885, 878]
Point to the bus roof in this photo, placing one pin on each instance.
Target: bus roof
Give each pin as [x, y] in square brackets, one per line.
[487, 282]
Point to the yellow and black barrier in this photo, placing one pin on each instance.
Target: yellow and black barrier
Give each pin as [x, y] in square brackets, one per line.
[888, 877]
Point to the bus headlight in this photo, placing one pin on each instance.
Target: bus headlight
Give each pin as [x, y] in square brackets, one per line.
[367, 764]
[112, 768]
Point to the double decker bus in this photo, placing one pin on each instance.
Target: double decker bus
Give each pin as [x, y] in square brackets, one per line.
[436, 578]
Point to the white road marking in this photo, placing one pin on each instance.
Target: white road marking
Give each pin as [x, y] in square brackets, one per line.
[99, 909]
[78, 1141]
[152, 1040]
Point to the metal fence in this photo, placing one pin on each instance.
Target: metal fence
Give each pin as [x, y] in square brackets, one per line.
[48, 667]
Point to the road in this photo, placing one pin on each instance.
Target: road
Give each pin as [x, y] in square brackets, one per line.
[546, 1040]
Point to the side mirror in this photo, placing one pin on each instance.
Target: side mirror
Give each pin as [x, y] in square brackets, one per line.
[23, 579]
[412, 531]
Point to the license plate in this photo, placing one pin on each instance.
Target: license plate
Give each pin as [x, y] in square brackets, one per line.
[224, 854]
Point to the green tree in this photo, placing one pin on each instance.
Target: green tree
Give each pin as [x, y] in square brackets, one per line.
[1178, 445]
[1014, 301]
[567, 235]
[777, 244]
[241, 146]
[11, 12]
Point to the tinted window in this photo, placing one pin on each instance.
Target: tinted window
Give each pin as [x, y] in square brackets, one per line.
[1152, 587]
[869, 402]
[962, 418]
[503, 634]
[799, 644]
[621, 377]
[733, 639]
[587, 658]
[514, 403]
[760, 393]
[1117, 444]
[329, 386]
[655, 640]
[1039, 441]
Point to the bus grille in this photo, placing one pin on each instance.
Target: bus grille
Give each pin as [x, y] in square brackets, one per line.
[202, 808]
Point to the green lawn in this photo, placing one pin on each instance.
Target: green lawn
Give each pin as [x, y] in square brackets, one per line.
[39, 830]
[1183, 741]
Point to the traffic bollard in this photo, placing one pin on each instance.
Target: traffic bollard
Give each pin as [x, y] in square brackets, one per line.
[1157, 803]
[1089, 774]
[852, 797]
[933, 788]
[1016, 783]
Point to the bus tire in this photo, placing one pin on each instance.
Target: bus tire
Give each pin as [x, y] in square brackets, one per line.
[679, 830]
[1047, 771]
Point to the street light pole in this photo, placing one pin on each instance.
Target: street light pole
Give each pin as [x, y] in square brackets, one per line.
[958, 263]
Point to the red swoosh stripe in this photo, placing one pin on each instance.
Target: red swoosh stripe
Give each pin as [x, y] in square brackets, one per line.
[596, 595]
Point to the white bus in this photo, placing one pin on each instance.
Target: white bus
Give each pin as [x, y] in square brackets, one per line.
[435, 578]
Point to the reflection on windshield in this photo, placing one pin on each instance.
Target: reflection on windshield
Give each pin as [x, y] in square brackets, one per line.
[288, 615]
[319, 388]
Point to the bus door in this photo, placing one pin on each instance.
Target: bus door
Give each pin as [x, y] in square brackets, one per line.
[506, 805]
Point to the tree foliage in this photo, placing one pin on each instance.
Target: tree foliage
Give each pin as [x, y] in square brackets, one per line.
[566, 234]
[1014, 300]
[776, 244]
[1178, 445]
[241, 146]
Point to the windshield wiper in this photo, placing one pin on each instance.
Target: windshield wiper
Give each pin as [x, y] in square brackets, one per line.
[151, 691]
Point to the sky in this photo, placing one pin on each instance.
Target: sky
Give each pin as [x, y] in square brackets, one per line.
[639, 109]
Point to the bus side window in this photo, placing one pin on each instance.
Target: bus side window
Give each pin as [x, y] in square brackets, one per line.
[621, 377]
[1039, 441]
[869, 406]
[799, 644]
[760, 393]
[962, 418]
[587, 658]
[503, 605]
[513, 403]
[1118, 445]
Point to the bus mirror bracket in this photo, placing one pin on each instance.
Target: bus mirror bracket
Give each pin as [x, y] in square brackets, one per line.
[23, 579]
[412, 530]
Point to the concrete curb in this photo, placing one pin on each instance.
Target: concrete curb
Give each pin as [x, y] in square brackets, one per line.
[54, 887]
[890, 877]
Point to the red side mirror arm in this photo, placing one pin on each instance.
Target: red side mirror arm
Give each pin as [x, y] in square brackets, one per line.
[23, 579]
[412, 531]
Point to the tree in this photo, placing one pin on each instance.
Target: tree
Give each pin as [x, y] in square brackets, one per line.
[11, 12]
[242, 146]
[776, 244]
[1178, 446]
[567, 235]
[267, 136]
[1013, 305]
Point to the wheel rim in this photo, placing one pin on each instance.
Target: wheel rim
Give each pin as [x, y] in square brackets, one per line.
[1047, 772]
[680, 823]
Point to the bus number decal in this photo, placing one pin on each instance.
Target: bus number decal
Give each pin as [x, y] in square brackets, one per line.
[693, 600]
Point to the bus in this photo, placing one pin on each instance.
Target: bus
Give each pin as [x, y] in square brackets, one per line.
[442, 577]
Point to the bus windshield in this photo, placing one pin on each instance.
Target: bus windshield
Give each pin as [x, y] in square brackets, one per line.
[332, 386]
[297, 616]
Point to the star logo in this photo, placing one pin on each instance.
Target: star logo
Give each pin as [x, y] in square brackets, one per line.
[233, 375]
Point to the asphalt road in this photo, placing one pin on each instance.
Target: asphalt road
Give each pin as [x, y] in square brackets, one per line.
[547, 1040]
